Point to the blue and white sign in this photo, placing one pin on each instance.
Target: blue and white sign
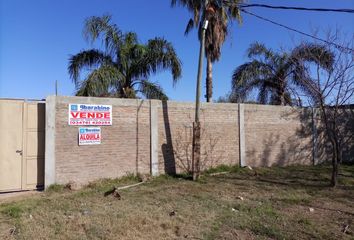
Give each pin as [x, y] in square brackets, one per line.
[90, 136]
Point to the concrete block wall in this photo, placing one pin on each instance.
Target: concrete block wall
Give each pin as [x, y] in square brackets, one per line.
[219, 133]
[155, 137]
[278, 135]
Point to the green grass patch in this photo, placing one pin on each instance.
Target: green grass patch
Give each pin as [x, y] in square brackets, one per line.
[346, 181]
[223, 168]
[274, 205]
[12, 210]
[294, 198]
[268, 230]
[305, 221]
[55, 188]
[16, 209]
[107, 183]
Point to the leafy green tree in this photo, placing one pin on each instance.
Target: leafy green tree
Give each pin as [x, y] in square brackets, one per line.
[220, 16]
[278, 77]
[123, 68]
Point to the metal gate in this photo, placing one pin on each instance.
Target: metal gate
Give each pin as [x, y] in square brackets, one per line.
[22, 132]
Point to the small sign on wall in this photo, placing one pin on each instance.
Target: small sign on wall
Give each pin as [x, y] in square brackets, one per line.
[89, 136]
[87, 114]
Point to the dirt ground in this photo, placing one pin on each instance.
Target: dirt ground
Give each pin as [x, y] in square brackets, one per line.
[263, 203]
[11, 196]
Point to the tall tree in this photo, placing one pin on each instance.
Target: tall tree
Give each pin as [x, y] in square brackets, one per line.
[333, 99]
[123, 68]
[276, 76]
[220, 16]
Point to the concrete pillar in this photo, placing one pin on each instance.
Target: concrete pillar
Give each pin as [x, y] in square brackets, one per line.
[241, 121]
[154, 137]
[314, 136]
[49, 164]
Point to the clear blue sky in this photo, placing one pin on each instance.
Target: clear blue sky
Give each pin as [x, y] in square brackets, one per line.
[38, 36]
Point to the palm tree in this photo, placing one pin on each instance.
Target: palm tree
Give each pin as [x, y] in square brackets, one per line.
[276, 76]
[124, 67]
[220, 16]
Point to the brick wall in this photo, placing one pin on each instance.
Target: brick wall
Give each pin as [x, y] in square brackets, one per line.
[273, 136]
[219, 134]
[278, 135]
[125, 146]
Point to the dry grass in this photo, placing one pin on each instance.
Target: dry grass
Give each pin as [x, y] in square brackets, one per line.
[275, 205]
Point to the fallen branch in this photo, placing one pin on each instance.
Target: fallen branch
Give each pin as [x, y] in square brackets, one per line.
[129, 186]
[218, 173]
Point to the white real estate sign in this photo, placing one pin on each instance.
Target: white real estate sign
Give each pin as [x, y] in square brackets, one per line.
[90, 115]
[89, 135]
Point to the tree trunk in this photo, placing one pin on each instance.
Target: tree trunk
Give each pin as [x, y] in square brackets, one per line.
[282, 94]
[196, 151]
[209, 80]
[334, 168]
[282, 100]
[335, 160]
[331, 134]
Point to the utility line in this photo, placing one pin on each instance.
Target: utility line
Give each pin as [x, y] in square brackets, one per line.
[245, 5]
[298, 31]
[343, 10]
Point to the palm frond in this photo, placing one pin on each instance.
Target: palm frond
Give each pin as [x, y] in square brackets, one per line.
[220, 15]
[259, 49]
[115, 71]
[160, 55]
[248, 72]
[86, 59]
[189, 26]
[263, 94]
[311, 52]
[233, 11]
[191, 5]
[254, 75]
[151, 90]
[273, 74]
[97, 26]
[99, 82]
[215, 36]
[129, 53]
[245, 79]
